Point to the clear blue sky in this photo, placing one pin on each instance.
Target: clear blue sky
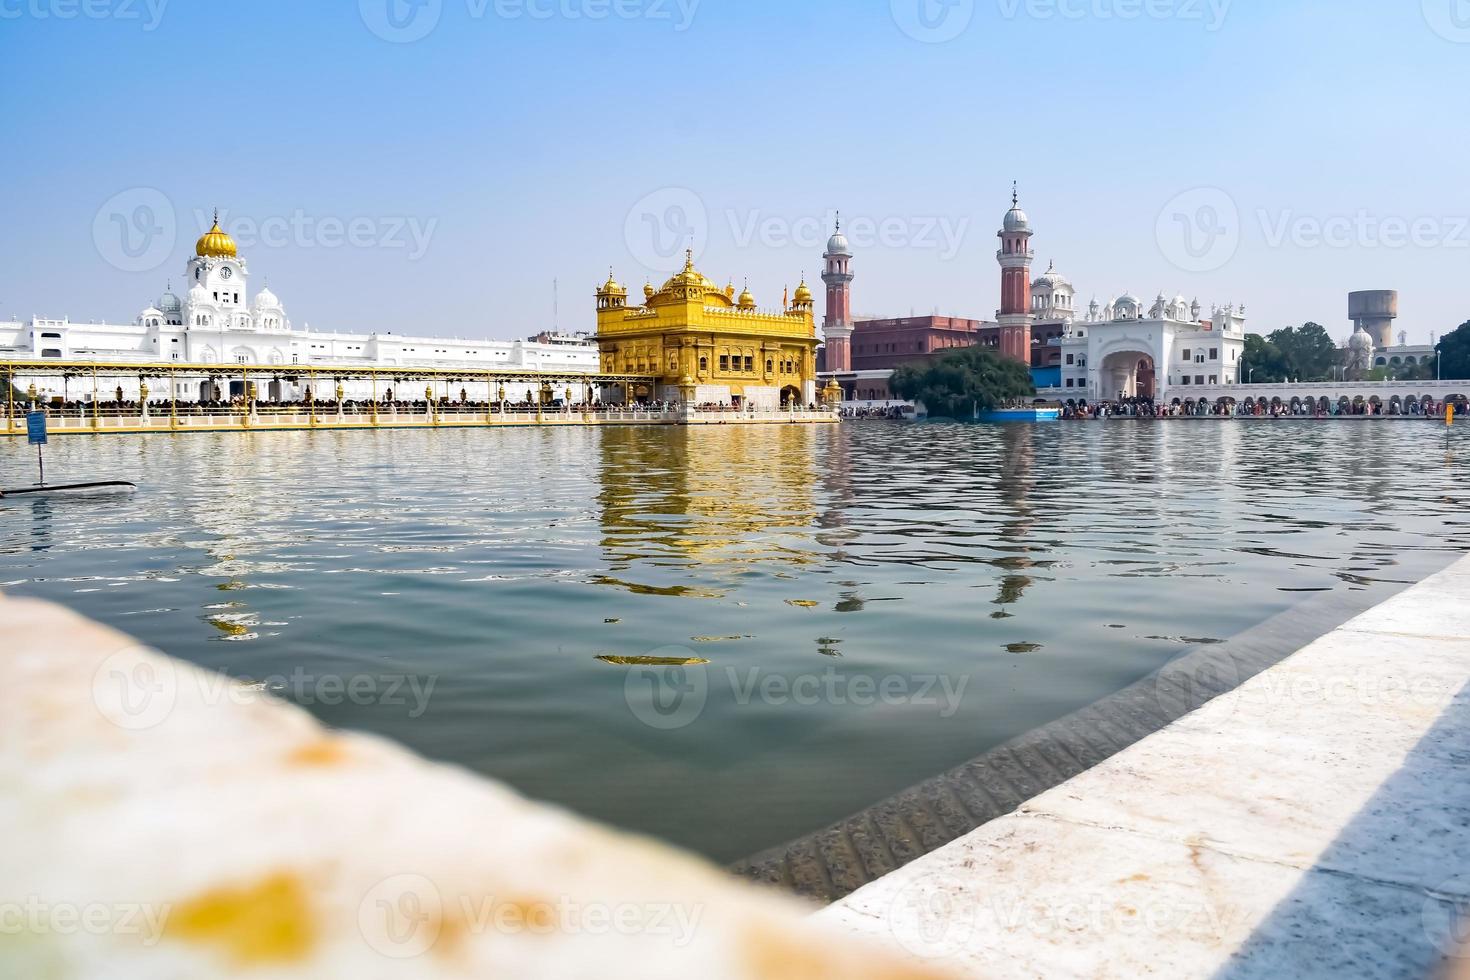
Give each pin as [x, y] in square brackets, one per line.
[523, 148]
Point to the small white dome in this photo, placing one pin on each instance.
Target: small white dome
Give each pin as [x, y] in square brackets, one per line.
[837, 244]
[198, 295]
[151, 311]
[1052, 279]
[1016, 220]
[169, 303]
[1360, 339]
[266, 300]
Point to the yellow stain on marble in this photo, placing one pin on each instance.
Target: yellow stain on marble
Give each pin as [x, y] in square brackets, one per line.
[267, 922]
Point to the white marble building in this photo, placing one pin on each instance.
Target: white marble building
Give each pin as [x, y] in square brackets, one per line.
[217, 322]
[1127, 350]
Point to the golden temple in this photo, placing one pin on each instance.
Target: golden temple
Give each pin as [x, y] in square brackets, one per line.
[707, 346]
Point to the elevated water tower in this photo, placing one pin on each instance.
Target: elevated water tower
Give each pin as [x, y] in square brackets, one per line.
[1375, 309]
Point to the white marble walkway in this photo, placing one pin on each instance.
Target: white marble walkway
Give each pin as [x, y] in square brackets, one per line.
[1315, 822]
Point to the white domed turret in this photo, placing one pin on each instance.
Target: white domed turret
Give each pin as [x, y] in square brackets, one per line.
[1126, 307]
[1051, 294]
[837, 244]
[1360, 350]
[269, 314]
[1016, 220]
[1360, 340]
[200, 310]
[169, 304]
[1052, 278]
[1178, 309]
[151, 317]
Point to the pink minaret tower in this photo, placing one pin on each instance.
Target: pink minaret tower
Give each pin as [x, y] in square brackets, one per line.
[837, 327]
[1015, 284]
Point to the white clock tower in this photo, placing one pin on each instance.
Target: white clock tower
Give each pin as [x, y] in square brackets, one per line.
[219, 277]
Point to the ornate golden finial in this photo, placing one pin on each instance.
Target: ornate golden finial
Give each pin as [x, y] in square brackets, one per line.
[689, 258]
[1015, 193]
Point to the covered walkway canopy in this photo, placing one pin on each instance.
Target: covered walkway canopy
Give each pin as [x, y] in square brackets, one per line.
[102, 380]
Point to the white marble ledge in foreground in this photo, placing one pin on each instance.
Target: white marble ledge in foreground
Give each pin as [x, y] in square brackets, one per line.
[151, 828]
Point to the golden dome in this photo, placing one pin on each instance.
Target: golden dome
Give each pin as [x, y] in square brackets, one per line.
[803, 293]
[611, 287]
[215, 243]
[648, 290]
[690, 277]
[747, 301]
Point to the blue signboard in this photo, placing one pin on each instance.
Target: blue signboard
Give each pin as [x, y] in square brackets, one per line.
[36, 428]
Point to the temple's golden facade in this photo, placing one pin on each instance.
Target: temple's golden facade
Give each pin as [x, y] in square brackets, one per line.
[706, 345]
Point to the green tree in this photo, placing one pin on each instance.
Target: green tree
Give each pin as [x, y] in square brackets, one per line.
[1308, 352]
[1454, 352]
[1263, 360]
[956, 385]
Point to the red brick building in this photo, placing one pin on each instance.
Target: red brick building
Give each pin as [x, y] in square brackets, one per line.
[882, 345]
[879, 345]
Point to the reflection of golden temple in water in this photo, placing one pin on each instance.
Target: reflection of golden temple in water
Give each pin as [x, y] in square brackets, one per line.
[667, 501]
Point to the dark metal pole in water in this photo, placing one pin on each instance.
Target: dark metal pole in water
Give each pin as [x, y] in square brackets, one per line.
[41, 462]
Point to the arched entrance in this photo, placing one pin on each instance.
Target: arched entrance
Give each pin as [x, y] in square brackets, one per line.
[790, 395]
[1128, 374]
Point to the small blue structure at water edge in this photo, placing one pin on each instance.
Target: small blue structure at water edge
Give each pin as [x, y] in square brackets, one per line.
[1020, 415]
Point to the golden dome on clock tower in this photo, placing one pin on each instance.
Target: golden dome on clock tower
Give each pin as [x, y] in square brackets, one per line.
[214, 243]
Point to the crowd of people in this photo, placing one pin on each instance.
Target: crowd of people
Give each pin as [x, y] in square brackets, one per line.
[1276, 409]
[114, 408]
[878, 412]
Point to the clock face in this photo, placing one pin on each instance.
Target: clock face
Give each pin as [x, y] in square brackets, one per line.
[226, 272]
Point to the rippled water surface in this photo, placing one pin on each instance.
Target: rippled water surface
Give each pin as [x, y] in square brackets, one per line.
[875, 602]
